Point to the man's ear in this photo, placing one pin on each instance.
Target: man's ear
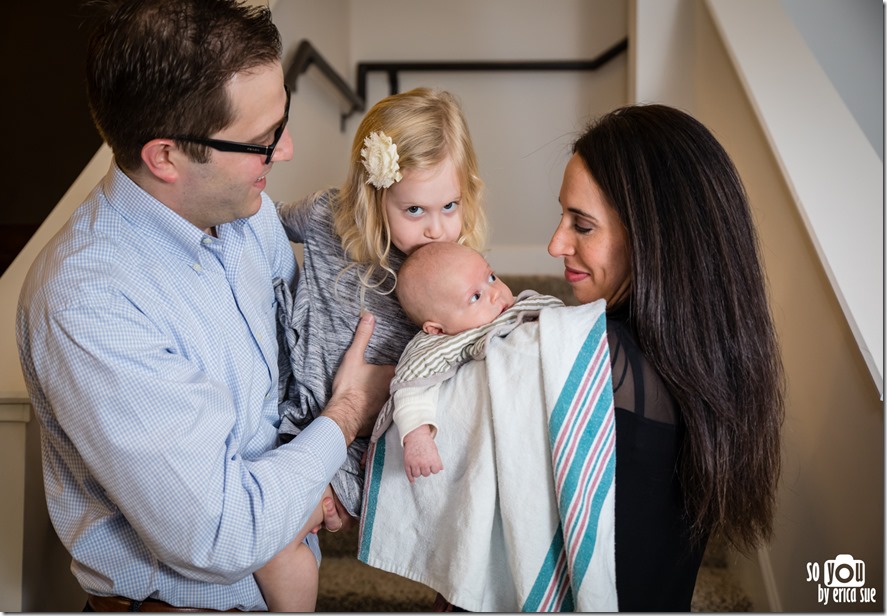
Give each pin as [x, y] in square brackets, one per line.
[430, 327]
[159, 156]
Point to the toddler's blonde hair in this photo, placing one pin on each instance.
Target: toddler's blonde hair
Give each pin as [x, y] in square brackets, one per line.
[426, 125]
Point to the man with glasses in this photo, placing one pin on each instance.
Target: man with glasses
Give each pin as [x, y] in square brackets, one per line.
[147, 331]
[247, 148]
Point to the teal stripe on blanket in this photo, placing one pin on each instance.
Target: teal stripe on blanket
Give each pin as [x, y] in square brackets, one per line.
[572, 488]
[549, 580]
[371, 500]
[574, 379]
[573, 497]
[586, 548]
[590, 432]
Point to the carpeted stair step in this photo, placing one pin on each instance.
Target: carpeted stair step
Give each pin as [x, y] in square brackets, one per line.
[348, 585]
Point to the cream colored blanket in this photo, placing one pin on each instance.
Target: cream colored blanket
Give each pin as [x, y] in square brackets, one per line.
[522, 516]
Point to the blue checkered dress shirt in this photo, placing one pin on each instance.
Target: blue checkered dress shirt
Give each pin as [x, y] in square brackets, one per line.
[150, 353]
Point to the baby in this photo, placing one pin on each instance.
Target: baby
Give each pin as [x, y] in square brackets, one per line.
[450, 291]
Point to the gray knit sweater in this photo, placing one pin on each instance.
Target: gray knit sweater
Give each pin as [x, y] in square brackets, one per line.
[317, 326]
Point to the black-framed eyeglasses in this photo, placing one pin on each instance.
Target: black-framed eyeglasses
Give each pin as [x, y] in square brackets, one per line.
[247, 148]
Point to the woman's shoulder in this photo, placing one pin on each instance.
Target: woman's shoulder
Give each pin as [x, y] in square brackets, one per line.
[637, 386]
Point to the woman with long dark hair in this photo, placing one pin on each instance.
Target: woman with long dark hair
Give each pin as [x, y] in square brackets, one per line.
[656, 221]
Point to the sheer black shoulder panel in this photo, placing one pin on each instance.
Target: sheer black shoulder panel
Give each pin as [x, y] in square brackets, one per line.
[637, 387]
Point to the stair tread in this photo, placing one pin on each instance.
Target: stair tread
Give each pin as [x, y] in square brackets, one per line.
[348, 585]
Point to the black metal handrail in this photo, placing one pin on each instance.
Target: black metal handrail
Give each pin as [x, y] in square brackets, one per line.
[393, 68]
[306, 56]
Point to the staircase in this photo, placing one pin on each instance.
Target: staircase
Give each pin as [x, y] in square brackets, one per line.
[348, 585]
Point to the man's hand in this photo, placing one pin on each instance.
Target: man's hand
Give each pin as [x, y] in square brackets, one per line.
[359, 389]
[420, 455]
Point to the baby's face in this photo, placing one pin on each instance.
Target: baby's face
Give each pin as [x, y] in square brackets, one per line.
[469, 294]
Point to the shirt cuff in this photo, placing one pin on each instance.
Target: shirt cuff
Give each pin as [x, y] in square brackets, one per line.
[414, 407]
[324, 437]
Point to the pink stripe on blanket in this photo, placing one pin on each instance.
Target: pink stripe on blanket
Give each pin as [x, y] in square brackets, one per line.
[557, 586]
[583, 507]
[591, 467]
[563, 451]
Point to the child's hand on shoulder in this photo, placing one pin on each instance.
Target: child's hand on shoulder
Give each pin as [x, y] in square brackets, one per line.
[420, 455]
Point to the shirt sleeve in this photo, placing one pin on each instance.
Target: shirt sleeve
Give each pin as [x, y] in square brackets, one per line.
[296, 217]
[164, 443]
[284, 264]
[414, 407]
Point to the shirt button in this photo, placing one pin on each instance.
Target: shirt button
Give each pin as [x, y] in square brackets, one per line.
[207, 241]
[197, 267]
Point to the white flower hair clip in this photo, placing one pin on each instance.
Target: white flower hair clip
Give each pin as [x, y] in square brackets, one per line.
[380, 157]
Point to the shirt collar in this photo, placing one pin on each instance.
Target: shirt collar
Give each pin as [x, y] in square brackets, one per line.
[153, 220]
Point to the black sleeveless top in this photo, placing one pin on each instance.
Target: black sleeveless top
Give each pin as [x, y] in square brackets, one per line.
[656, 560]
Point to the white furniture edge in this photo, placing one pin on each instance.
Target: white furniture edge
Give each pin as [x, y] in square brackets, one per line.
[12, 383]
[832, 171]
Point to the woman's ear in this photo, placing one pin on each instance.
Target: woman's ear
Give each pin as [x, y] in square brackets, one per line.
[159, 158]
[430, 327]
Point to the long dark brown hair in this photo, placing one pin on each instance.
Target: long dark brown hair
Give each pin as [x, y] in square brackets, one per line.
[699, 307]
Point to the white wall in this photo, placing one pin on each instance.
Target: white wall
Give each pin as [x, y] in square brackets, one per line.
[522, 124]
[831, 495]
[662, 53]
[320, 147]
[848, 34]
[836, 177]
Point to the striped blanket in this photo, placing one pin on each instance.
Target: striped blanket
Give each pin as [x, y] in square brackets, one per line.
[522, 516]
[430, 359]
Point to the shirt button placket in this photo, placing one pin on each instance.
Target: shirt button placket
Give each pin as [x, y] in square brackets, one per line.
[207, 241]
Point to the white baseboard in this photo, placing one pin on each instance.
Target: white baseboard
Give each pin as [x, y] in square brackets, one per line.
[769, 580]
[754, 573]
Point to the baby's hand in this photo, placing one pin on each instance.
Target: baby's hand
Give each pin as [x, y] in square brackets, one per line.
[420, 455]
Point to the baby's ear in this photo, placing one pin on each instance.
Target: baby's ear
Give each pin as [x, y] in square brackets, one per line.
[430, 327]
